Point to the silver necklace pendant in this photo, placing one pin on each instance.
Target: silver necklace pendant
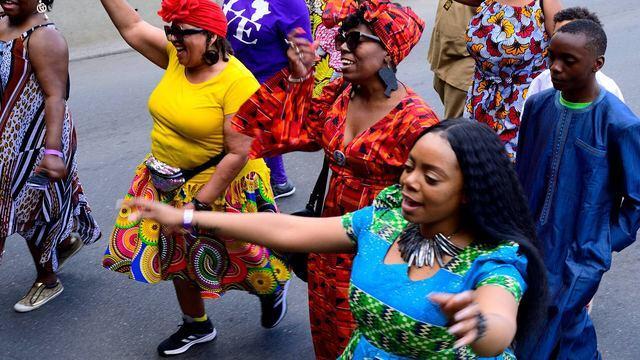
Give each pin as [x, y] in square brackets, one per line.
[417, 250]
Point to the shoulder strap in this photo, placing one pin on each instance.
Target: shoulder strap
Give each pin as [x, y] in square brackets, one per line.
[316, 200]
[25, 35]
[188, 174]
[30, 31]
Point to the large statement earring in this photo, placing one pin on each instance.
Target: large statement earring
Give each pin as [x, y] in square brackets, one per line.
[41, 8]
[389, 79]
[211, 57]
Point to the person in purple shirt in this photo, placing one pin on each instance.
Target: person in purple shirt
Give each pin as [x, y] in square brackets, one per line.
[257, 33]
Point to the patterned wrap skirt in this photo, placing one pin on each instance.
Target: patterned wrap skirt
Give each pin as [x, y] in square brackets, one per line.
[146, 252]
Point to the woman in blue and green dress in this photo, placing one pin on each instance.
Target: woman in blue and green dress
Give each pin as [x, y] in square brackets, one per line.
[446, 263]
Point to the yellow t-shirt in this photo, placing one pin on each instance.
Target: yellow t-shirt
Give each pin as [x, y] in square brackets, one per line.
[188, 118]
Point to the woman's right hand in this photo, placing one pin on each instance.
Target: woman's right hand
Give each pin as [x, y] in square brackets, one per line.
[155, 210]
[301, 54]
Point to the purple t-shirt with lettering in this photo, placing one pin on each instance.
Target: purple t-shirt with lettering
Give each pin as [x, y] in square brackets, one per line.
[258, 29]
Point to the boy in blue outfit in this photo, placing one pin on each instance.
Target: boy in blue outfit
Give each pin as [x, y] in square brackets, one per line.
[579, 164]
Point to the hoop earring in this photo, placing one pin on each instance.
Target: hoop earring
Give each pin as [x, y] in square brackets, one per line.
[41, 8]
[211, 57]
[389, 79]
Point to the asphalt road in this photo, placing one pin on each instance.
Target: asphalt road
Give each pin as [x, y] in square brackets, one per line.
[103, 315]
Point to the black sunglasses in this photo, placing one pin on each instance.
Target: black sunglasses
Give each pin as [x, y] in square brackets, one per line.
[353, 39]
[179, 33]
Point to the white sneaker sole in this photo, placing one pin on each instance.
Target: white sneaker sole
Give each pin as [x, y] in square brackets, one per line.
[23, 308]
[288, 193]
[186, 347]
[284, 303]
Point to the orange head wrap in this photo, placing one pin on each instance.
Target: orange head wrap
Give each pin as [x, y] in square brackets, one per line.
[397, 26]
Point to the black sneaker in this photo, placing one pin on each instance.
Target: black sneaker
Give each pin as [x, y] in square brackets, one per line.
[274, 307]
[283, 190]
[189, 334]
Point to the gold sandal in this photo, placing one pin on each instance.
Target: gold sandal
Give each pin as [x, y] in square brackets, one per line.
[38, 295]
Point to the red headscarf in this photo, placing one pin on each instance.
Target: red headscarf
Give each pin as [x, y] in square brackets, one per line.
[397, 26]
[204, 14]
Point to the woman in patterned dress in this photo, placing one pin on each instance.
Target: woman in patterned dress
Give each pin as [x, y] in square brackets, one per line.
[191, 107]
[508, 40]
[37, 135]
[365, 134]
[470, 304]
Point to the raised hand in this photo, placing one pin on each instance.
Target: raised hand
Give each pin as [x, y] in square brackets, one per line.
[301, 53]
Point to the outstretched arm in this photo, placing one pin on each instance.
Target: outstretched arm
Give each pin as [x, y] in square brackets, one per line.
[143, 37]
[276, 231]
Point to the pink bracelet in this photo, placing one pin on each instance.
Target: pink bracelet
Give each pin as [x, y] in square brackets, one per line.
[54, 152]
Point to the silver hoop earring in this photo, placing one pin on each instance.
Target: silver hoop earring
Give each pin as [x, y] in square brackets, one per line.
[41, 8]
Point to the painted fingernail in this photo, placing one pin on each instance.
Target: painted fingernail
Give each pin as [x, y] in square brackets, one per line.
[457, 345]
[461, 314]
[454, 329]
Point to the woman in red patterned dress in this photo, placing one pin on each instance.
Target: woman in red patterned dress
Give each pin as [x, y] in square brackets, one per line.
[364, 124]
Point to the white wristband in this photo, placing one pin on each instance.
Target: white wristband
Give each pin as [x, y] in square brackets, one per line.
[187, 218]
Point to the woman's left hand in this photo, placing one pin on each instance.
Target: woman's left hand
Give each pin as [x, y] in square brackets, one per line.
[162, 213]
[53, 167]
[464, 315]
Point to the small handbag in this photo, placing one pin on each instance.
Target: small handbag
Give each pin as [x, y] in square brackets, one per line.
[167, 178]
[298, 261]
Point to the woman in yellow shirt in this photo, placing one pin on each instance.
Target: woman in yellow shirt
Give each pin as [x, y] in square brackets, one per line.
[196, 161]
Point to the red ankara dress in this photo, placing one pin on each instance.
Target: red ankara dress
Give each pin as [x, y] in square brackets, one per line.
[284, 117]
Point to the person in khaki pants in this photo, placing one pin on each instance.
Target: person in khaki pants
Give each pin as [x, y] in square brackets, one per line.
[451, 64]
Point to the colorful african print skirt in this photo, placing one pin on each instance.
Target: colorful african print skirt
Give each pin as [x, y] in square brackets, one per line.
[146, 252]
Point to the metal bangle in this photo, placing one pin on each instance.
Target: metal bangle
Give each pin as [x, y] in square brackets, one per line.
[299, 80]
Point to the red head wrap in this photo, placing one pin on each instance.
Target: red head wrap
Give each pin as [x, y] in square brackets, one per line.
[204, 14]
[397, 26]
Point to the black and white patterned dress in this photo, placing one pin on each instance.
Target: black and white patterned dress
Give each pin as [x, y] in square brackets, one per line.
[44, 218]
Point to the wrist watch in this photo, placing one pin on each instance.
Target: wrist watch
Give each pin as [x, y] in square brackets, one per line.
[200, 206]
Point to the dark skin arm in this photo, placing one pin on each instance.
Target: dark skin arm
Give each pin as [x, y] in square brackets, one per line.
[237, 148]
[49, 57]
[550, 8]
[145, 38]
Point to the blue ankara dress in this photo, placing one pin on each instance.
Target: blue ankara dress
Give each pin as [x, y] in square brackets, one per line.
[576, 166]
[394, 317]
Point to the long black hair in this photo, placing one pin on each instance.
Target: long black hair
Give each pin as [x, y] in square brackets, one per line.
[496, 208]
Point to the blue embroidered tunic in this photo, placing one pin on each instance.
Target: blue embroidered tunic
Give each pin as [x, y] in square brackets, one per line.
[576, 166]
[395, 319]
